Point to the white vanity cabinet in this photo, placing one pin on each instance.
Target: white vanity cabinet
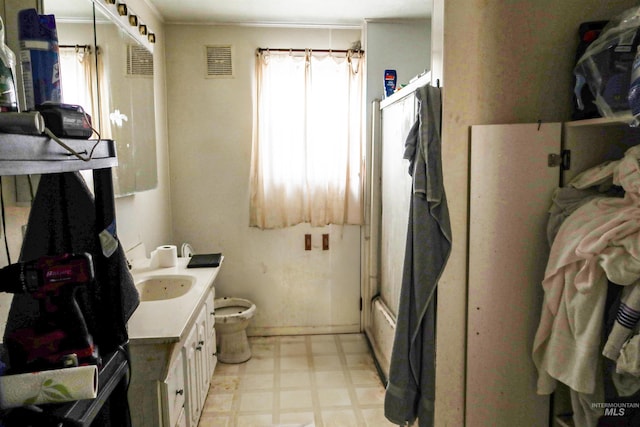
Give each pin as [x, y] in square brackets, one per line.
[173, 353]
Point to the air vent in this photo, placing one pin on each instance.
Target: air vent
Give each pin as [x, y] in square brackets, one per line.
[139, 61]
[219, 62]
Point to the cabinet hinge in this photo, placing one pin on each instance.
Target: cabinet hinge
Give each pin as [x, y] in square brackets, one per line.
[563, 160]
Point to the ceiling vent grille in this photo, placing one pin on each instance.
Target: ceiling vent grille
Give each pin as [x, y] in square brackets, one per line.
[139, 61]
[219, 61]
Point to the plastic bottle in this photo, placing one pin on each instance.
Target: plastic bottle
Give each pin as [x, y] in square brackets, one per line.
[8, 98]
[634, 90]
[389, 82]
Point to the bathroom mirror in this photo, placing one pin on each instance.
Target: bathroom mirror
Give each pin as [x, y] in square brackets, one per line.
[109, 73]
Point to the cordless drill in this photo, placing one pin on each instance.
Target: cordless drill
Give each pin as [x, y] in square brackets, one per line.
[58, 336]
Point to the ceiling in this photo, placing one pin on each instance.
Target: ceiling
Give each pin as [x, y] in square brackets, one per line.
[290, 12]
[267, 12]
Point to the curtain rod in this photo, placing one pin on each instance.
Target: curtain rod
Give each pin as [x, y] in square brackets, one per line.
[266, 49]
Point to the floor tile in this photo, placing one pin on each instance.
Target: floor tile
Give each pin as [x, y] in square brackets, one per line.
[298, 399]
[364, 377]
[218, 402]
[324, 347]
[256, 364]
[375, 418]
[330, 379]
[327, 363]
[339, 418]
[370, 395]
[260, 420]
[297, 418]
[334, 397]
[214, 421]
[224, 383]
[257, 381]
[291, 363]
[256, 401]
[359, 361]
[293, 349]
[295, 380]
[356, 346]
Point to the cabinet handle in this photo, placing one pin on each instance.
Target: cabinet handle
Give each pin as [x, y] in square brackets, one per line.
[199, 348]
[180, 392]
[200, 342]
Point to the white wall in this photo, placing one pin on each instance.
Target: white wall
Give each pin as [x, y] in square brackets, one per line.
[404, 46]
[210, 131]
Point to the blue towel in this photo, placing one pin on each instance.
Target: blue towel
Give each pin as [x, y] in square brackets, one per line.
[410, 392]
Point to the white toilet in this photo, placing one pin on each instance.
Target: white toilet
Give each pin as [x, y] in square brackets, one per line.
[232, 317]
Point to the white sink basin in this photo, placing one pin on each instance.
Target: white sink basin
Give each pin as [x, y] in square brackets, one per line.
[158, 288]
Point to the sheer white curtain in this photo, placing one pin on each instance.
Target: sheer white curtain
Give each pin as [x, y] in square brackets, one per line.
[307, 156]
[76, 69]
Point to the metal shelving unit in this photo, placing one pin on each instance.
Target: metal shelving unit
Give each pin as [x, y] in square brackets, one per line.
[31, 154]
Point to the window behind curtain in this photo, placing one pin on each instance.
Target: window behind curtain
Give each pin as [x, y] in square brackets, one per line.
[307, 154]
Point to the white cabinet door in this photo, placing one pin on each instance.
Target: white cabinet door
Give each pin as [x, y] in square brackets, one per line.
[212, 359]
[510, 193]
[192, 407]
[173, 393]
[202, 357]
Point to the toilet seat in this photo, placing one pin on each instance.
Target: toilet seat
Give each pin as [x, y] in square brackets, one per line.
[227, 309]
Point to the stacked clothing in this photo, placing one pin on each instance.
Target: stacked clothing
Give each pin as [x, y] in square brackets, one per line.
[598, 242]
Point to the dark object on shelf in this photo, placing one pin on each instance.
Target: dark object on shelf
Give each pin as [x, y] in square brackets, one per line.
[204, 260]
[66, 121]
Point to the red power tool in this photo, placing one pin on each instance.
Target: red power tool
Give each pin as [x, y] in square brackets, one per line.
[58, 336]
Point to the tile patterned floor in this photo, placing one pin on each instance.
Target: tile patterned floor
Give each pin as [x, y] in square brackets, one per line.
[317, 380]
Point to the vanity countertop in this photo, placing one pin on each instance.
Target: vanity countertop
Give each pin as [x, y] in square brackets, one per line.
[167, 321]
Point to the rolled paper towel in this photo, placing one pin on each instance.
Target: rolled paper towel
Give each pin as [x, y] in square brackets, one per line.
[626, 319]
[164, 256]
[54, 386]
